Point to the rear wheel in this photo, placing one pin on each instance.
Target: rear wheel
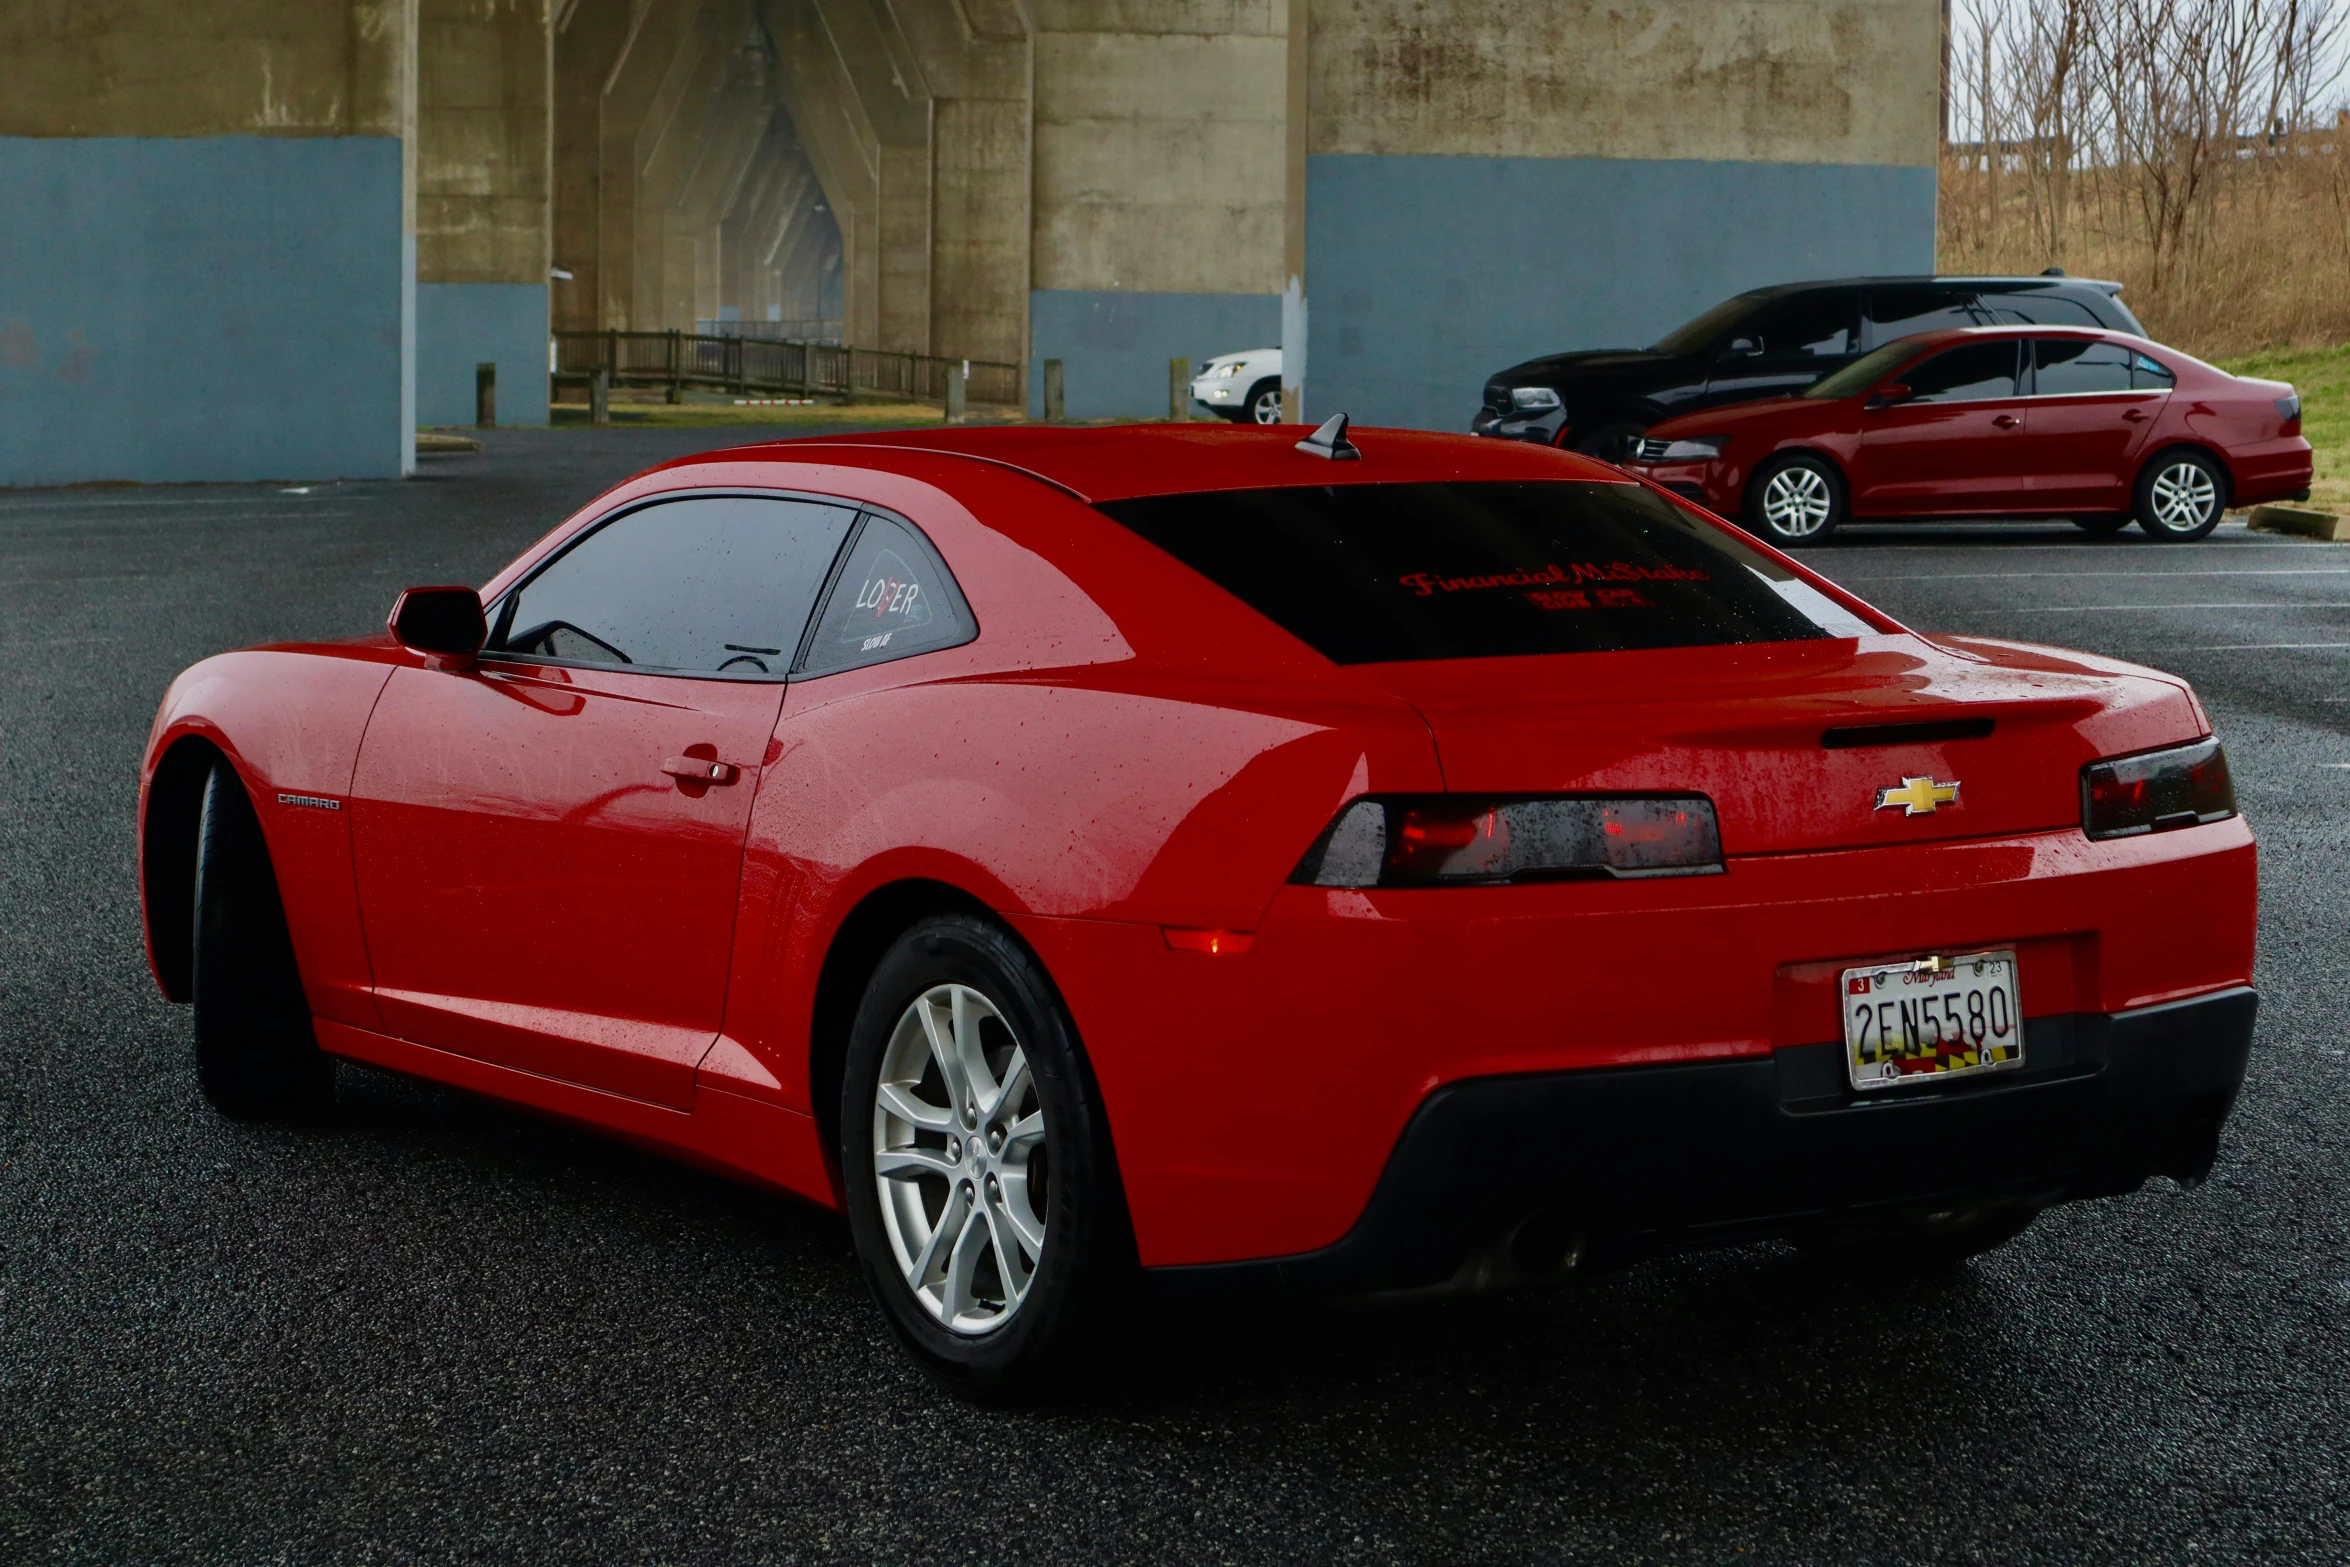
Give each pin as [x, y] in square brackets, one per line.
[1795, 500]
[976, 1162]
[2180, 497]
[1611, 442]
[2104, 525]
[1264, 402]
[255, 1052]
[1918, 1243]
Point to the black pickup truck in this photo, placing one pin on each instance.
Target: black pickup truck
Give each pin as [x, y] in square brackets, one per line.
[1767, 342]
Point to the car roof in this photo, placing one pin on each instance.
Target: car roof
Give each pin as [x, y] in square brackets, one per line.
[1960, 334]
[1120, 462]
[2101, 285]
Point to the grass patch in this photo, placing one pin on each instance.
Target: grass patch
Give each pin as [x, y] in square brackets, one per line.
[2322, 377]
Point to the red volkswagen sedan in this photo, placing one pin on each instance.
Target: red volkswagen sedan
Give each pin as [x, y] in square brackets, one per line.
[1408, 863]
[2099, 427]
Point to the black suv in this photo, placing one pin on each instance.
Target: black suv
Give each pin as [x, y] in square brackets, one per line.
[1767, 342]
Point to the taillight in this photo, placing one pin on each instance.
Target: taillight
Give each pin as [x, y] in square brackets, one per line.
[2184, 786]
[2289, 410]
[1449, 840]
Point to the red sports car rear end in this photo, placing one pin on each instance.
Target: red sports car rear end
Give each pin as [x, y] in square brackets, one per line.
[1399, 863]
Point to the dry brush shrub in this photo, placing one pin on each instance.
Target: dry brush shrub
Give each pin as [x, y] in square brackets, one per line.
[2186, 148]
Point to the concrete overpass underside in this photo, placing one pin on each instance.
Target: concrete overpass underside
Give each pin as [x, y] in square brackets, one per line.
[256, 240]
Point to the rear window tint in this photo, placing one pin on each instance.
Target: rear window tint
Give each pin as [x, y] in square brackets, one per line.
[1382, 573]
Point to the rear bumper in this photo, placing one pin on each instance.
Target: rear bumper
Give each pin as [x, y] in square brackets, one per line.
[1631, 1161]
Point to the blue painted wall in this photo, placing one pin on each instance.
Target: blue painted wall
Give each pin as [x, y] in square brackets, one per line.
[204, 308]
[1114, 344]
[461, 325]
[1424, 275]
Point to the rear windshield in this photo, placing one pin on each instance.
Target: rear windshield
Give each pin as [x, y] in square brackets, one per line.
[1381, 573]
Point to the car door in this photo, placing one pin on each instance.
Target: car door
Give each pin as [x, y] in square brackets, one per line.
[1786, 346]
[2086, 420]
[549, 839]
[1951, 448]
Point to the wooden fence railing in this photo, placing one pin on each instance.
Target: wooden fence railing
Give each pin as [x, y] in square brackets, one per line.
[745, 365]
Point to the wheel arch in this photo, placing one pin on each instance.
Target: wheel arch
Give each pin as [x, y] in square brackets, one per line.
[1825, 458]
[168, 823]
[2204, 449]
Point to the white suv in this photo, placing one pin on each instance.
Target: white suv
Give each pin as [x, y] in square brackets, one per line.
[1244, 388]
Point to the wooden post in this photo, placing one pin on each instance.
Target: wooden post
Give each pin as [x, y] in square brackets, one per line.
[676, 365]
[1179, 390]
[600, 397]
[1055, 406]
[958, 392]
[485, 395]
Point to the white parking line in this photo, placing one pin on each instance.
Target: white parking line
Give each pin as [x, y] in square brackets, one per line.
[2258, 647]
[2069, 609]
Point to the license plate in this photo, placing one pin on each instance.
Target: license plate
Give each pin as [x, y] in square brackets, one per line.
[1931, 1018]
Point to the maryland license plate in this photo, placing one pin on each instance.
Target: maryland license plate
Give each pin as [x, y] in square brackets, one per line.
[1931, 1018]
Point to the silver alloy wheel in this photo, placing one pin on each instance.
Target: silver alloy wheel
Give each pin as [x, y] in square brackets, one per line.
[958, 1146]
[1796, 501]
[2183, 497]
[1266, 408]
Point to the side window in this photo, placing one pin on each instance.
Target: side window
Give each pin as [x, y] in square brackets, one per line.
[2066, 365]
[893, 598]
[2039, 310]
[707, 585]
[1912, 308]
[1969, 373]
[2147, 376]
[1809, 326]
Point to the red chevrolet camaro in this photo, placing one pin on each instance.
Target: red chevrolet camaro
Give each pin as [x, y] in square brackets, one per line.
[2096, 426]
[1230, 861]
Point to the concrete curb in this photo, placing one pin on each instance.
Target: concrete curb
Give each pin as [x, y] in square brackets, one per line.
[2301, 520]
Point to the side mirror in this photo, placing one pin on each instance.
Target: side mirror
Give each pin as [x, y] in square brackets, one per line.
[440, 620]
[1890, 393]
[1744, 348]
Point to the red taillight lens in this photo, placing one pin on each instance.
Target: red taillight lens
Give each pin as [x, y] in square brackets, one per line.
[1432, 840]
[2183, 786]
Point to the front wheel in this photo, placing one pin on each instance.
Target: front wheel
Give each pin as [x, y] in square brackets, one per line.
[1264, 403]
[1794, 501]
[2180, 497]
[976, 1162]
[255, 1052]
[2103, 525]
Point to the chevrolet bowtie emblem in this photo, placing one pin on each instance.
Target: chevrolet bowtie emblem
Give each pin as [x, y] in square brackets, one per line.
[1918, 796]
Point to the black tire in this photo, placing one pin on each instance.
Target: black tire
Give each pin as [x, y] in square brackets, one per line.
[1611, 442]
[1085, 1260]
[1918, 1244]
[2104, 525]
[256, 1055]
[2180, 497]
[1264, 403]
[1804, 493]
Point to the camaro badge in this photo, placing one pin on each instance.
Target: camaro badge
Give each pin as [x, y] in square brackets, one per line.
[1918, 796]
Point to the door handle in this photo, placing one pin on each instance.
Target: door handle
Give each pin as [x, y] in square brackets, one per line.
[2134, 415]
[2006, 421]
[695, 769]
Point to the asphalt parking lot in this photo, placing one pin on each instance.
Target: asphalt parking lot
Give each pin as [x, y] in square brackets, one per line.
[431, 1330]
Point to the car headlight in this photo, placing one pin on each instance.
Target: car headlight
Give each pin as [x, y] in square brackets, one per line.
[1227, 372]
[1533, 400]
[2155, 791]
[1463, 840]
[1687, 448]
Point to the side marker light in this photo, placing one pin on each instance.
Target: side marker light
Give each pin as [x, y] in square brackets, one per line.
[1215, 943]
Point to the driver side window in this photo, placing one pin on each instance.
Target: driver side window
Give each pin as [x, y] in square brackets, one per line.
[706, 585]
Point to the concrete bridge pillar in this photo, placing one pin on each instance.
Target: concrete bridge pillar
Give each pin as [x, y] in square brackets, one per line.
[207, 268]
[484, 168]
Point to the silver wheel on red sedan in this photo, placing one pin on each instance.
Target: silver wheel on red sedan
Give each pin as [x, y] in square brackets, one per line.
[2180, 497]
[958, 1146]
[1795, 500]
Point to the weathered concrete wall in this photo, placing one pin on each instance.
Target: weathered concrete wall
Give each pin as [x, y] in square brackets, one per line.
[1487, 180]
[208, 267]
[484, 160]
[1158, 172]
